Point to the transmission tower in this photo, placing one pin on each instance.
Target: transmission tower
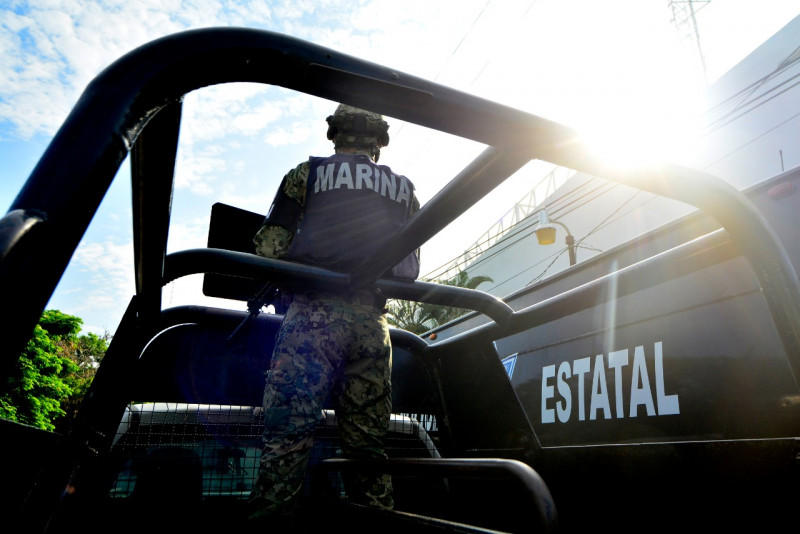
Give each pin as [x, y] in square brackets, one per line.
[685, 20]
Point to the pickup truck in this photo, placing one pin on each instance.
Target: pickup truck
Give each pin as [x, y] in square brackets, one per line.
[539, 412]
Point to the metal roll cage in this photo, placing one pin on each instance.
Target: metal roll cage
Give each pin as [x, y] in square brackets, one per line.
[134, 106]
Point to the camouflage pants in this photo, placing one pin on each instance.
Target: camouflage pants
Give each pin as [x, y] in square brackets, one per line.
[325, 347]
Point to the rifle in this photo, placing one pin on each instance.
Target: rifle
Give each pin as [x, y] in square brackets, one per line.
[261, 298]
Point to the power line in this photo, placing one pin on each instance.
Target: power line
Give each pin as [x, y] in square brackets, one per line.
[737, 149]
[749, 99]
[525, 230]
[750, 89]
[455, 50]
[485, 249]
[752, 103]
[519, 212]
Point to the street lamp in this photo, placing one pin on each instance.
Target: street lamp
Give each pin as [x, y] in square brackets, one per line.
[546, 234]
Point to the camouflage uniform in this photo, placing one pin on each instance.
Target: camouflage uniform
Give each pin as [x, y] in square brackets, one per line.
[273, 241]
[327, 344]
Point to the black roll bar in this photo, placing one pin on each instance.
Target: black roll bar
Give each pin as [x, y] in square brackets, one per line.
[486, 172]
[219, 261]
[542, 511]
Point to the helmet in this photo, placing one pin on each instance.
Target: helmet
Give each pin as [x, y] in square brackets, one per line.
[354, 127]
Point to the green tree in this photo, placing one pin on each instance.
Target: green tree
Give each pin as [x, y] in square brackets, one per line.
[448, 314]
[416, 317]
[419, 317]
[85, 352]
[53, 372]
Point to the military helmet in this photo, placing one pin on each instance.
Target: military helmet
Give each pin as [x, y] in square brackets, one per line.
[355, 127]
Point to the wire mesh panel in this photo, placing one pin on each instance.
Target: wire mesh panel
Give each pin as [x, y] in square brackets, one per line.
[198, 451]
[205, 450]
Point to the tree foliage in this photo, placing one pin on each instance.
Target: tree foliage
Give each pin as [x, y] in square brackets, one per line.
[419, 317]
[53, 372]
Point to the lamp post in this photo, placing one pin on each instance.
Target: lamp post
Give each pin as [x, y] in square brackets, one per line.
[546, 234]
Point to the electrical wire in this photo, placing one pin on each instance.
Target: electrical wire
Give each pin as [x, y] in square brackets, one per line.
[581, 196]
[524, 229]
[730, 117]
[591, 232]
[520, 227]
[748, 104]
[453, 53]
[737, 149]
[749, 88]
[746, 95]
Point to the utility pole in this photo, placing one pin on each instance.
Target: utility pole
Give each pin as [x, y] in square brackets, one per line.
[684, 17]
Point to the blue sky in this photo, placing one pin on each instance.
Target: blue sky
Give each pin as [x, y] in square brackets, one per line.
[608, 68]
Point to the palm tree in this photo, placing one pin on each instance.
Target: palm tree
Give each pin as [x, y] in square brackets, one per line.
[462, 279]
[419, 317]
[416, 317]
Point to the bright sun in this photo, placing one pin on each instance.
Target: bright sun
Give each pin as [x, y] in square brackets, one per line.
[629, 85]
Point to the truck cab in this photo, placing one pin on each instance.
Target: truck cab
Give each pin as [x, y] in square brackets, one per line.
[655, 385]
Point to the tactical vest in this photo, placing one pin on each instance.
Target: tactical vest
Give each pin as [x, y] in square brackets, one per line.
[351, 205]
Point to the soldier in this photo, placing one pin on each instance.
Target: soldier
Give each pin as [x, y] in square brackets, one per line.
[332, 212]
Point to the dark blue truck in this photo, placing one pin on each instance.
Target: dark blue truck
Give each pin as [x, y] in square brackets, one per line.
[654, 386]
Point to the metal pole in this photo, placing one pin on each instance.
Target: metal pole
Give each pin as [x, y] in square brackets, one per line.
[570, 242]
[571, 247]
